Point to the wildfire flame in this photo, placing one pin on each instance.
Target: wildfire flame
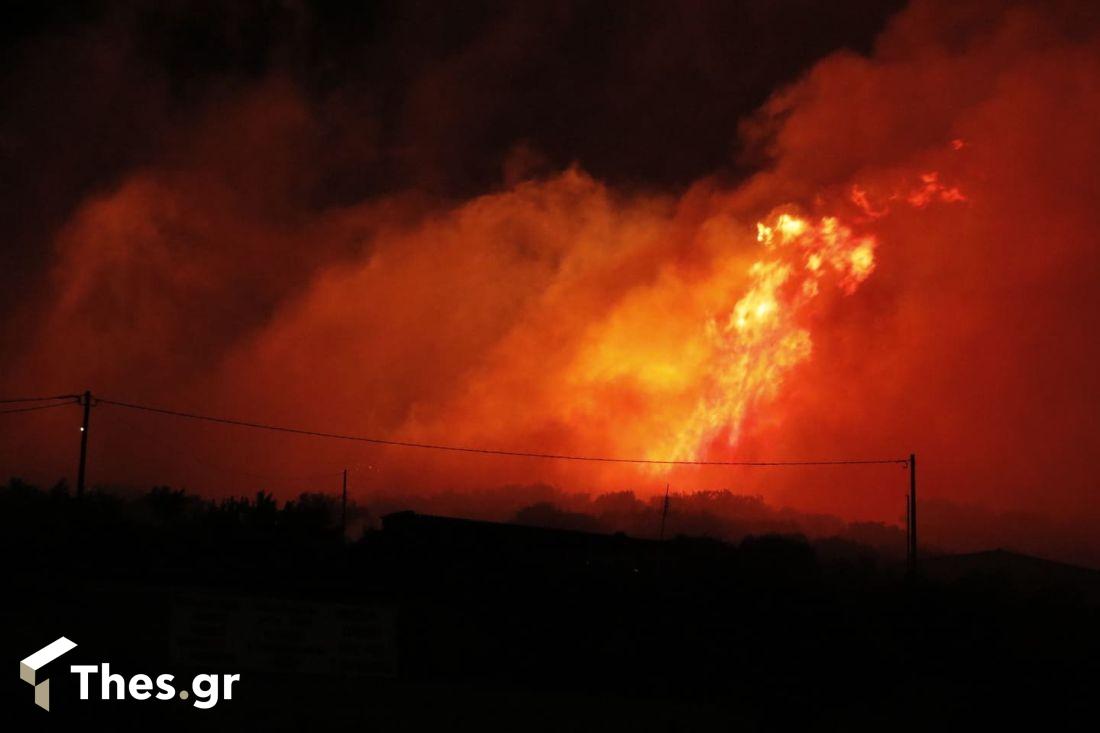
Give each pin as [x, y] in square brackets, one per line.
[760, 339]
[754, 345]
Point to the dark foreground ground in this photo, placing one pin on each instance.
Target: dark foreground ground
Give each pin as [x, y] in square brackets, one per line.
[440, 624]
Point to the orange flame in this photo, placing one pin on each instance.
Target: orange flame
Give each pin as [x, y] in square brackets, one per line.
[748, 350]
[933, 189]
[760, 339]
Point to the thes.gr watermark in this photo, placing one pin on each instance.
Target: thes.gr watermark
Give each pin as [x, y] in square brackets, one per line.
[204, 692]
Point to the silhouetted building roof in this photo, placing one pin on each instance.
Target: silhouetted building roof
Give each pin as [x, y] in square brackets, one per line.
[1023, 572]
[456, 529]
[454, 541]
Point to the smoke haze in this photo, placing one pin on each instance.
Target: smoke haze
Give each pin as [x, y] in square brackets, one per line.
[537, 229]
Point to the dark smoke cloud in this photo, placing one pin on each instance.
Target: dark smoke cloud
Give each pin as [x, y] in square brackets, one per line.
[393, 97]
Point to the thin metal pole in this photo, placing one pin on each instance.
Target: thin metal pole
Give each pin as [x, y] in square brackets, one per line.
[664, 513]
[912, 511]
[344, 507]
[85, 400]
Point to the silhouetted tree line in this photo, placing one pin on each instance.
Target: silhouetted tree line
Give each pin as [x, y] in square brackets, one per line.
[171, 524]
[175, 534]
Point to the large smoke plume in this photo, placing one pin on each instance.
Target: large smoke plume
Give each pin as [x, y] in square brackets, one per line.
[248, 259]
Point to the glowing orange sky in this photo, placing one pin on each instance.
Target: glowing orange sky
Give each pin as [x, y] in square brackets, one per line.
[933, 291]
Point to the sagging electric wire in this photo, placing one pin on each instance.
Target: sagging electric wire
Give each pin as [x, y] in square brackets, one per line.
[223, 469]
[486, 451]
[67, 397]
[33, 408]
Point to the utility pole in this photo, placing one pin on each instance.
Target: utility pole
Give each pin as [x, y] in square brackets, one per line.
[664, 513]
[912, 513]
[344, 508]
[908, 529]
[85, 400]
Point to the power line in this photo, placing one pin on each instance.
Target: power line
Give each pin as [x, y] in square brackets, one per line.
[488, 451]
[35, 407]
[221, 468]
[12, 400]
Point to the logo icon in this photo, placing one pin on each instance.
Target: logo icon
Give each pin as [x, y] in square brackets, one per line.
[34, 670]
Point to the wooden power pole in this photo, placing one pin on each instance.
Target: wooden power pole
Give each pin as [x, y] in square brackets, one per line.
[85, 400]
[912, 513]
[344, 508]
[664, 513]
